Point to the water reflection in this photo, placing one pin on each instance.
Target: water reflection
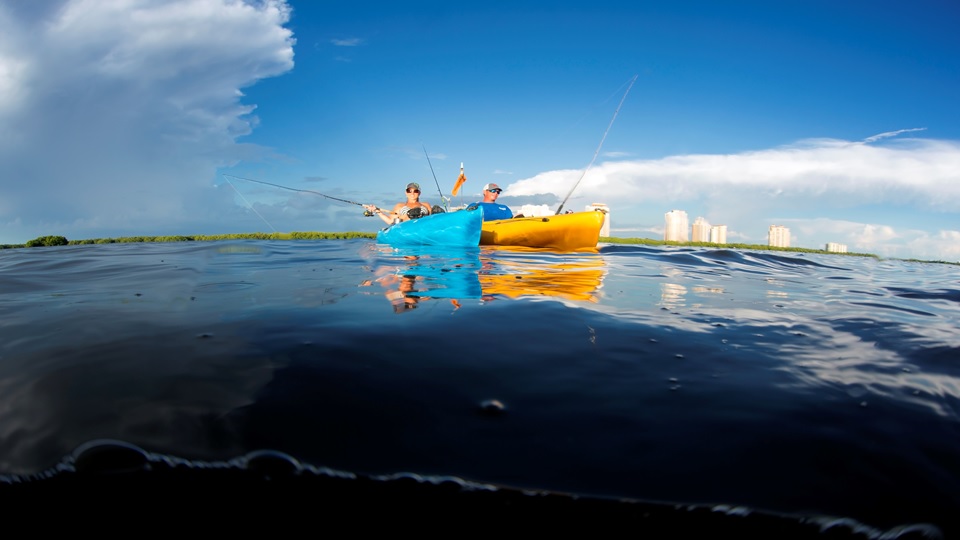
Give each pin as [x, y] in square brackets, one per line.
[518, 272]
[411, 276]
[672, 295]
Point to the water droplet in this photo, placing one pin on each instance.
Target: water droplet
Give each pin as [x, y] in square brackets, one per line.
[272, 464]
[107, 456]
[492, 407]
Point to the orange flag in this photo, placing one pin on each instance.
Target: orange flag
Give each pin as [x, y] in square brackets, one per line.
[460, 180]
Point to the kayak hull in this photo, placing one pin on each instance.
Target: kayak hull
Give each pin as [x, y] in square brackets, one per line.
[564, 232]
[451, 229]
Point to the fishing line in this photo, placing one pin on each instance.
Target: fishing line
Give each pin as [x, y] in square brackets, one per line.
[293, 189]
[597, 152]
[442, 198]
[248, 203]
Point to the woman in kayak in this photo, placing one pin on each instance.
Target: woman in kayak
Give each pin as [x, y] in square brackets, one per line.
[412, 208]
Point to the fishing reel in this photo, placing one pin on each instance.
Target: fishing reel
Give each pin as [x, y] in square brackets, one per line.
[367, 213]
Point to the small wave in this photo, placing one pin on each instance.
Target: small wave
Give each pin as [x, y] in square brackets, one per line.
[269, 475]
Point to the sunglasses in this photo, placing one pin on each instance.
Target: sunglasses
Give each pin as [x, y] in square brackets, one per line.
[497, 191]
[413, 191]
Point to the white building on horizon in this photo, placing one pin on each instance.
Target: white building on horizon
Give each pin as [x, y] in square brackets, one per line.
[836, 248]
[701, 230]
[718, 234]
[676, 227]
[778, 236]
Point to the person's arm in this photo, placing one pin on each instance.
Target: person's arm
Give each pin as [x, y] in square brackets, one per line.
[386, 216]
[379, 212]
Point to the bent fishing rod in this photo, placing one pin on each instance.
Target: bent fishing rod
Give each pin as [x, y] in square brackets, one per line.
[633, 80]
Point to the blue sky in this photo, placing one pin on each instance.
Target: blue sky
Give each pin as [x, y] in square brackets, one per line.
[839, 120]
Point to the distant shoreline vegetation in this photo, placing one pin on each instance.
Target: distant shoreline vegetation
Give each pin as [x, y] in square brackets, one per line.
[45, 241]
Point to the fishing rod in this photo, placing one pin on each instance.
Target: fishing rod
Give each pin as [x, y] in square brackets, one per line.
[442, 198]
[633, 80]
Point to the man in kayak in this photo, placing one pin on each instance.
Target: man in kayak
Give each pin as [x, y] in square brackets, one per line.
[491, 208]
[404, 211]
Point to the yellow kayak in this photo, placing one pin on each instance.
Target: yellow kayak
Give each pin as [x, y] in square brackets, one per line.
[563, 232]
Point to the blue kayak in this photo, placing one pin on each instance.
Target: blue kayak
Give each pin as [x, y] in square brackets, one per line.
[453, 229]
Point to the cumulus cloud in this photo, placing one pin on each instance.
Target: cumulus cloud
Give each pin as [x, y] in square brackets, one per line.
[803, 182]
[921, 170]
[113, 113]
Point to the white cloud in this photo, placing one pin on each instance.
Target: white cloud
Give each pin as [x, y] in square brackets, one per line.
[116, 113]
[348, 42]
[920, 170]
[799, 183]
[888, 134]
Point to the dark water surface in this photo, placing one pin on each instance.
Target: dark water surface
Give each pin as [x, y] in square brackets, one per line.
[797, 383]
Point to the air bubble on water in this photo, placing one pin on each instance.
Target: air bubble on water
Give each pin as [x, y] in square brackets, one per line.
[271, 463]
[109, 456]
[492, 407]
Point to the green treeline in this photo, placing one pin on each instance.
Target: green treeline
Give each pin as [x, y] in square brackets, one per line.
[61, 241]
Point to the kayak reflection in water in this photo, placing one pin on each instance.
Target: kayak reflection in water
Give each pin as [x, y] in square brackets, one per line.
[416, 279]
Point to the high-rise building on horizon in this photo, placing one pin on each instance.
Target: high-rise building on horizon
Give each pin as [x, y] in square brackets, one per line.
[677, 227]
[718, 234]
[701, 230]
[778, 236]
[836, 248]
